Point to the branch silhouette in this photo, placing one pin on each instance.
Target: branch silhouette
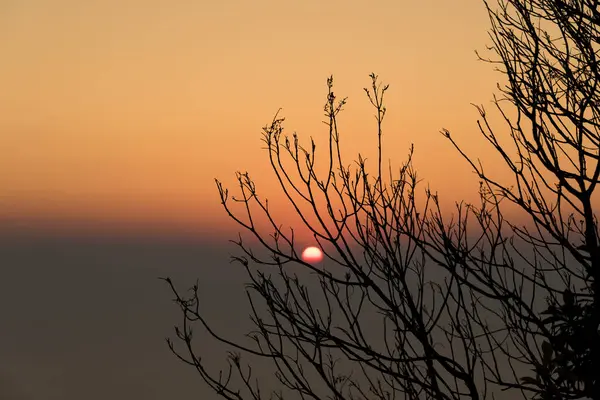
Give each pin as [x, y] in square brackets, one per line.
[418, 303]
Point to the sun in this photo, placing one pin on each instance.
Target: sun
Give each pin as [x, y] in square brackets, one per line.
[312, 254]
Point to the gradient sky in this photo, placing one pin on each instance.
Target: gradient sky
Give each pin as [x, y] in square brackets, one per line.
[119, 114]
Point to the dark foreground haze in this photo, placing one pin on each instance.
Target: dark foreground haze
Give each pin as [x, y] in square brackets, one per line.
[86, 319]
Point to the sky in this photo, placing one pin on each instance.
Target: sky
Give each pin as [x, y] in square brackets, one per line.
[116, 116]
[88, 319]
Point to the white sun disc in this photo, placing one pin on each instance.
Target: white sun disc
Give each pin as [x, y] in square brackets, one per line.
[312, 254]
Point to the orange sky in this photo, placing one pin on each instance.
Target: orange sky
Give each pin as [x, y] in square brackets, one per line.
[121, 113]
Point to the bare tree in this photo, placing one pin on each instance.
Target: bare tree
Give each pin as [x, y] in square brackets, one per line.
[418, 304]
[548, 51]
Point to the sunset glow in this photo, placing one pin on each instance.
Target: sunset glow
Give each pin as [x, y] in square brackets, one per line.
[122, 113]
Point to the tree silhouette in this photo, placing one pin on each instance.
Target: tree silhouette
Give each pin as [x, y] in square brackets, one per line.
[416, 303]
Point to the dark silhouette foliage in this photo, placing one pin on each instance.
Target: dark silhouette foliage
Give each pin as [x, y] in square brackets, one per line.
[416, 303]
